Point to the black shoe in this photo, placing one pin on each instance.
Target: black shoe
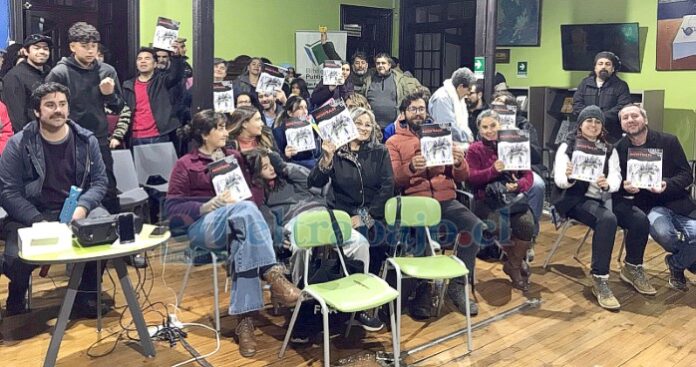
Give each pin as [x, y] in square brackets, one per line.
[18, 308]
[300, 336]
[86, 308]
[421, 307]
[367, 322]
[677, 280]
[457, 294]
[692, 268]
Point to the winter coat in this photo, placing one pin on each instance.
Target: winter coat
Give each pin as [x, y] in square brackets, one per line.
[19, 83]
[611, 98]
[481, 157]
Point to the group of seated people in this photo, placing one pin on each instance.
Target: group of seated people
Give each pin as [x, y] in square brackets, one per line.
[359, 178]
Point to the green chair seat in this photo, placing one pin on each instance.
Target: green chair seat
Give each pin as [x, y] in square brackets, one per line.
[353, 293]
[431, 267]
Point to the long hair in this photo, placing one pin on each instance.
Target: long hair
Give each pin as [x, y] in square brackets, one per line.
[302, 85]
[236, 121]
[376, 135]
[254, 159]
[291, 105]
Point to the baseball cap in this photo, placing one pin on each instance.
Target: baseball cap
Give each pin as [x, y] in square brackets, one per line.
[36, 38]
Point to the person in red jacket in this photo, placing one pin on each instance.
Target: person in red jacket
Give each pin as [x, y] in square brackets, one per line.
[413, 178]
[484, 168]
[5, 127]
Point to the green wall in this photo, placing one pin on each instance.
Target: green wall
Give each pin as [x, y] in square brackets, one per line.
[257, 27]
[546, 68]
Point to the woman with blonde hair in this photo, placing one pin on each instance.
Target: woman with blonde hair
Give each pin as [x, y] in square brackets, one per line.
[248, 131]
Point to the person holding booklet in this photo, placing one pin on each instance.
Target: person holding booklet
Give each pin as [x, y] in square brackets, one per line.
[342, 89]
[295, 107]
[249, 79]
[219, 221]
[485, 167]
[360, 174]
[670, 210]
[587, 202]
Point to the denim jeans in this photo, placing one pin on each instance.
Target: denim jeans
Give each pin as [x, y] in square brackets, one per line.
[665, 228]
[535, 198]
[240, 229]
[152, 140]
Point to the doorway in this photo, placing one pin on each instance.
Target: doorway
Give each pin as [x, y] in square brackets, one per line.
[371, 30]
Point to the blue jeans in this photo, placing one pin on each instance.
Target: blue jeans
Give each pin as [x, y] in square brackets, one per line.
[535, 198]
[240, 229]
[153, 140]
[665, 227]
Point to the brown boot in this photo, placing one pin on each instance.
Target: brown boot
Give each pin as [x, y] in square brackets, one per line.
[282, 290]
[513, 267]
[245, 336]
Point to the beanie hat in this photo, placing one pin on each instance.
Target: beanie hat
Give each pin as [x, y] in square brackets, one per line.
[590, 112]
[607, 55]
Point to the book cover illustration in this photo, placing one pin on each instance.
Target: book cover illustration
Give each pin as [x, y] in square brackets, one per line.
[166, 31]
[332, 74]
[223, 97]
[507, 115]
[335, 124]
[299, 134]
[315, 52]
[227, 176]
[588, 160]
[271, 79]
[514, 150]
[436, 145]
[644, 168]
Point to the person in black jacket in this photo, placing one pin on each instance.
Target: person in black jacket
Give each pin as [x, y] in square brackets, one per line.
[361, 179]
[149, 96]
[323, 93]
[22, 79]
[603, 88]
[670, 210]
[93, 86]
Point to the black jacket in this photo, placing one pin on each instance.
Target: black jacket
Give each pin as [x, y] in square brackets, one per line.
[675, 171]
[362, 182]
[86, 101]
[159, 90]
[611, 98]
[23, 171]
[19, 83]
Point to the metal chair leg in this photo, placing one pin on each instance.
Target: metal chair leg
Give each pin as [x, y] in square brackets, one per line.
[350, 324]
[395, 335]
[584, 239]
[216, 302]
[469, 342]
[441, 300]
[554, 248]
[623, 246]
[180, 298]
[29, 292]
[291, 326]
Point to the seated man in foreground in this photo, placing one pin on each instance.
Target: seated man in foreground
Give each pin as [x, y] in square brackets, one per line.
[37, 168]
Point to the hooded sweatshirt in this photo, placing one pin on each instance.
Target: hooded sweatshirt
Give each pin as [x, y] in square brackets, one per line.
[86, 100]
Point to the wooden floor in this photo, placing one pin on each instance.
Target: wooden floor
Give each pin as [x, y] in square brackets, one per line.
[568, 329]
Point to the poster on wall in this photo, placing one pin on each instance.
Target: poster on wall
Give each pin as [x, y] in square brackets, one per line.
[310, 53]
[676, 35]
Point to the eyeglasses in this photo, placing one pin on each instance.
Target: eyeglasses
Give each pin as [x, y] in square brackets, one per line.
[416, 109]
[688, 30]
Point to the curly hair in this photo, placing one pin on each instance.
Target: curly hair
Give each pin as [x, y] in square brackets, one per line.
[235, 124]
[83, 32]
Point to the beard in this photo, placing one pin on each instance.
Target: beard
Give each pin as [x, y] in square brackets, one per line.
[360, 72]
[415, 124]
[639, 131]
[604, 75]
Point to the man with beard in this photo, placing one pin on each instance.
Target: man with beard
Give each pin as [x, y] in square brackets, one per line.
[386, 89]
[22, 79]
[475, 105]
[37, 169]
[414, 178]
[272, 106]
[359, 65]
[448, 104]
[603, 88]
[670, 210]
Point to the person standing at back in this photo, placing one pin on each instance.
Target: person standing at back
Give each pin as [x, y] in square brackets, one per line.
[93, 85]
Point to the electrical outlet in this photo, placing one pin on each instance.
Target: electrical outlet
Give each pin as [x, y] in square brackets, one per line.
[174, 321]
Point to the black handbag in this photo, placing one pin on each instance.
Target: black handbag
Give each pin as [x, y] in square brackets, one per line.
[497, 197]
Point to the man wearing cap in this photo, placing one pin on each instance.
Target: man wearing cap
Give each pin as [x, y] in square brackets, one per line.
[603, 88]
[22, 79]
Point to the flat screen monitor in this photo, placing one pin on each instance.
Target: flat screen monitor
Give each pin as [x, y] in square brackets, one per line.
[581, 42]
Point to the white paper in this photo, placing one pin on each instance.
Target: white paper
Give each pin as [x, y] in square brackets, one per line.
[339, 129]
[223, 98]
[644, 172]
[301, 138]
[166, 31]
[515, 154]
[437, 151]
[587, 167]
[332, 74]
[234, 182]
[683, 45]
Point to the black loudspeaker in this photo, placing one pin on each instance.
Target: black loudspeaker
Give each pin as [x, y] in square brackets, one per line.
[103, 230]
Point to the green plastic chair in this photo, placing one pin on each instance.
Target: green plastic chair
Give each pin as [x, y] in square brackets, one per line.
[353, 292]
[420, 211]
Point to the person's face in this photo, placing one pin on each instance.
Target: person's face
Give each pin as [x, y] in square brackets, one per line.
[243, 100]
[267, 171]
[181, 47]
[345, 71]
[38, 53]
[162, 59]
[290, 74]
[219, 71]
[53, 111]
[267, 101]
[383, 66]
[604, 68]
[145, 63]
[591, 128]
[489, 128]
[416, 113]
[255, 67]
[474, 97]
[217, 137]
[295, 90]
[360, 66]
[85, 52]
[253, 127]
[301, 110]
[364, 126]
[632, 121]
[463, 92]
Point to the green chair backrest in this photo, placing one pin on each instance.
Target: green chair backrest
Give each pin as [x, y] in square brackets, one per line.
[314, 229]
[416, 211]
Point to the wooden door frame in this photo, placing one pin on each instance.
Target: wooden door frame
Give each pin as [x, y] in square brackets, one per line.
[390, 29]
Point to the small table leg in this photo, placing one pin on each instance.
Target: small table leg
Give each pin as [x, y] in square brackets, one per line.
[64, 314]
[99, 296]
[134, 306]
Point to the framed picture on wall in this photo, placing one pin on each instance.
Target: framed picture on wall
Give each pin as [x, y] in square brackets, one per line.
[519, 23]
[676, 35]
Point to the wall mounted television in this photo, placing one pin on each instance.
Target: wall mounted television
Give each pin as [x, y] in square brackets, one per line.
[581, 42]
